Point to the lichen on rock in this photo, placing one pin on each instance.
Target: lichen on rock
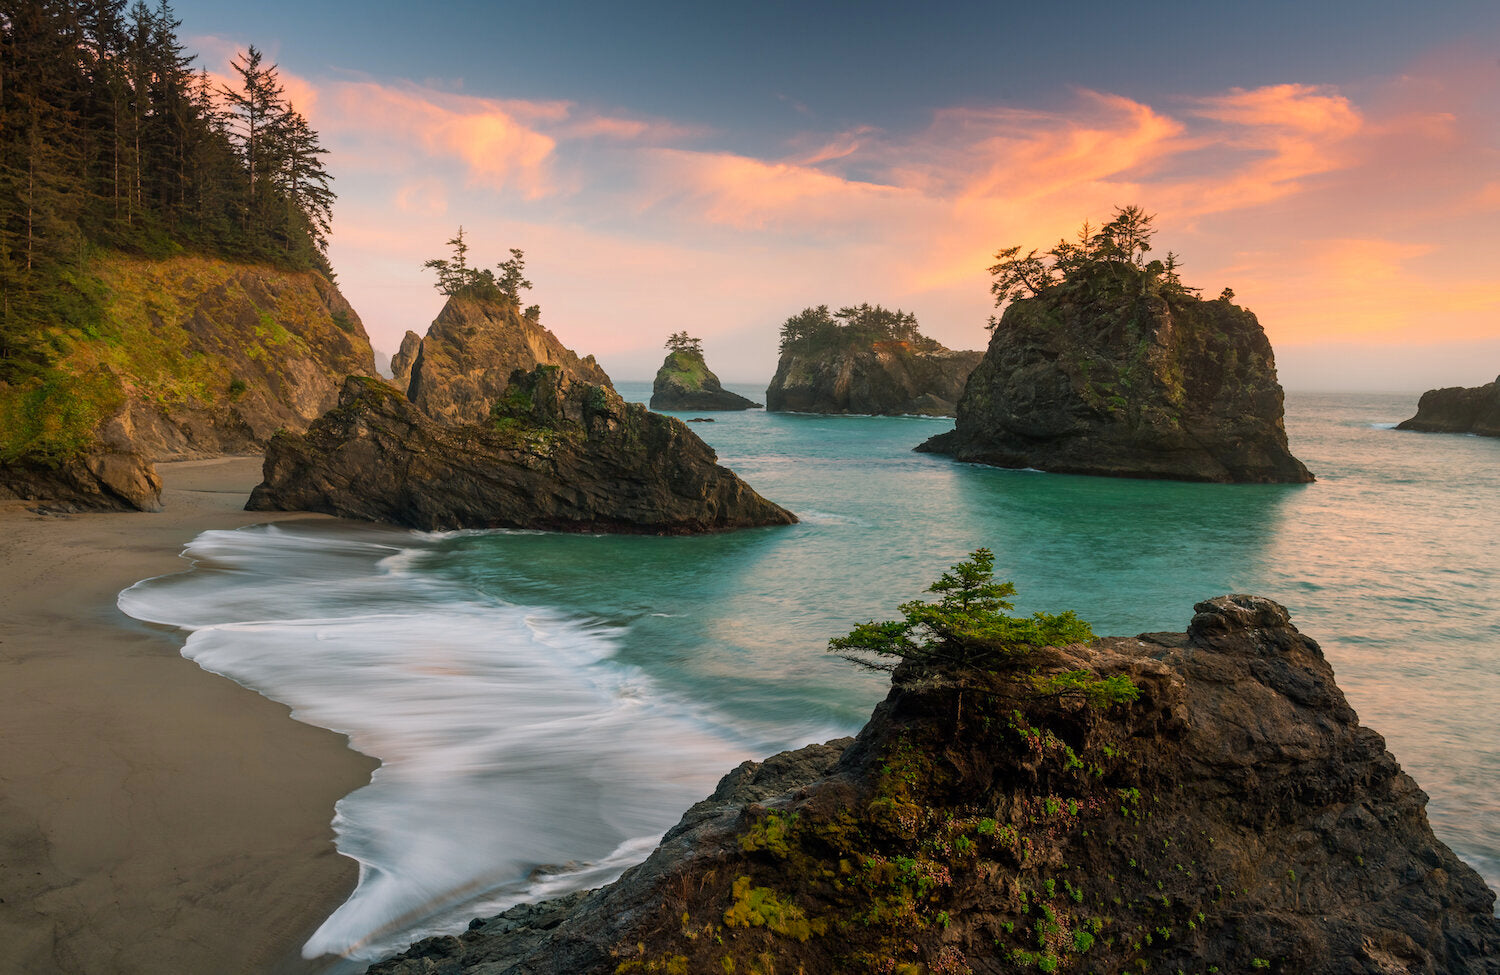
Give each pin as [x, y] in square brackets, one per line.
[684, 382]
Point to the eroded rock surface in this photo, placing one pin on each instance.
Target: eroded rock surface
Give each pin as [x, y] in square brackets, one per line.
[684, 382]
[1457, 409]
[879, 378]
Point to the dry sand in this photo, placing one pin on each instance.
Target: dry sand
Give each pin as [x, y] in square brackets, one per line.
[154, 817]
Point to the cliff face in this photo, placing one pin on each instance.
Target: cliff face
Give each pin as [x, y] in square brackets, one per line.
[193, 357]
[555, 454]
[1235, 817]
[684, 382]
[881, 378]
[1182, 389]
[464, 362]
[1458, 410]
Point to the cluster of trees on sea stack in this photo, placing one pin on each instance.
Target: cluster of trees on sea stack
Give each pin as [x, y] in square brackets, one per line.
[457, 279]
[816, 329]
[109, 137]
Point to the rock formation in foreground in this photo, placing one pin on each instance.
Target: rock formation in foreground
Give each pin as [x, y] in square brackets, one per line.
[1105, 364]
[193, 357]
[865, 360]
[684, 382]
[1457, 409]
[554, 454]
[1235, 817]
[464, 362]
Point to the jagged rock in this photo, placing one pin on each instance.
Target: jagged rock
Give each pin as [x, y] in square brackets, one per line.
[402, 361]
[556, 454]
[879, 378]
[466, 359]
[1457, 409]
[684, 382]
[1141, 386]
[195, 357]
[1235, 817]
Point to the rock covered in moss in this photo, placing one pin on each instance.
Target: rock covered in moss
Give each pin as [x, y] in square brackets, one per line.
[1234, 817]
[1457, 409]
[555, 454]
[469, 352]
[881, 378]
[1127, 386]
[684, 382]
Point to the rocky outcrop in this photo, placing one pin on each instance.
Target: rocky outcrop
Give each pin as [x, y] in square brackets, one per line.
[1139, 386]
[193, 357]
[465, 361]
[554, 454]
[405, 357]
[684, 382]
[1235, 817]
[883, 378]
[1458, 410]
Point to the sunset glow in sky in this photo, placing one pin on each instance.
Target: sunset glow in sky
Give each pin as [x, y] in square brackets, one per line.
[667, 167]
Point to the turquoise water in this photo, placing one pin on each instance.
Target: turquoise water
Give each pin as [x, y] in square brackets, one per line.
[563, 698]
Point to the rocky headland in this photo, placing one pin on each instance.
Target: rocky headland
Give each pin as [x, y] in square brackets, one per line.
[192, 357]
[684, 382]
[553, 453]
[1233, 817]
[865, 360]
[463, 364]
[1457, 409]
[1104, 363]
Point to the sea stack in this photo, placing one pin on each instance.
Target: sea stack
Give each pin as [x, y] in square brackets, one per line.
[1234, 817]
[1457, 409]
[684, 381]
[1105, 364]
[865, 360]
[553, 454]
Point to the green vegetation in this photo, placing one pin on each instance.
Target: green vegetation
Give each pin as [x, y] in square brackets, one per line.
[818, 329]
[457, 279]
[685, 344]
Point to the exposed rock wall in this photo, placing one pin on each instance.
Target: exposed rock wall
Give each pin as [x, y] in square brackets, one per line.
[464, 362]
[1145, 387]
[883, 378]
[1457, 409]
[1236, 817]
[556, 454]
[684, 382]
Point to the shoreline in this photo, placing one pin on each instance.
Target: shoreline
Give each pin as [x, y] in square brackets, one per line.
[153, 816]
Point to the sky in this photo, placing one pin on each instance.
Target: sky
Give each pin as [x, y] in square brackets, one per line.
[717, 168]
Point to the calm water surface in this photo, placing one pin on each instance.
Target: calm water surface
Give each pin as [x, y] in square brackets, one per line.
[545, 705]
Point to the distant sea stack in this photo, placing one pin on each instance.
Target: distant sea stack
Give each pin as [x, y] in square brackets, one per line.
[1106, 364]
[554, 453]
[684, 381]
[464, 362]
[1457, 409]
[865, 360]
[191, 357]
[1234, 817]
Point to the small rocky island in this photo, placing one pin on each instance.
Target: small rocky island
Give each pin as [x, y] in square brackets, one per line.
[865, 360]
[684, 381]
[555, 454]
[1106, 364]
[1457, 409]
[1199, 801]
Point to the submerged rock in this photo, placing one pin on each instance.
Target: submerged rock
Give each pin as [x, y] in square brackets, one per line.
[1457, 409]
[684, 382]
[1139, 385]
[554, 454]
[465, 361]
[1234, 817]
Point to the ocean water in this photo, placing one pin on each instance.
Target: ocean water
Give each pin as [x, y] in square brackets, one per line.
[544, 706]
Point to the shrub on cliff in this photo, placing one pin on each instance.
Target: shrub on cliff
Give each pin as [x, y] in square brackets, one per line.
[967, 630]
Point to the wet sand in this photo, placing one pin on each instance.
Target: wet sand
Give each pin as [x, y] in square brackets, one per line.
[153, 817]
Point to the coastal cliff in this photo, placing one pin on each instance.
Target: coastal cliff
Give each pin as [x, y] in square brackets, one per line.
[684, 382]
[553, 454]
[1234, 817]
[1457, 409]
[465, 360]
[190, 357]
[865, 360]
[1149, 384]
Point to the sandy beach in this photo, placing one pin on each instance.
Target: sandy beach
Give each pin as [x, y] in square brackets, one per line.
[153, 817]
